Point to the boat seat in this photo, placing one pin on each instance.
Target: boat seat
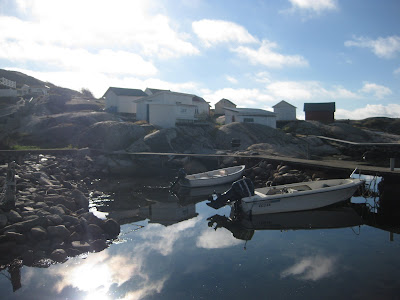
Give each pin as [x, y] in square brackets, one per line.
[302, 188]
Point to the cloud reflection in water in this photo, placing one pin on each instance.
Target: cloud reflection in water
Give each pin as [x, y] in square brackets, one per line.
[312, 268]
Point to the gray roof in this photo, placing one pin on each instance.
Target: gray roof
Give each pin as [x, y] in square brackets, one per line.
[251, 111]
[198, 99]
[155, 91]
[326, 106]
[226, 100]
[283, 103]
[126, 92]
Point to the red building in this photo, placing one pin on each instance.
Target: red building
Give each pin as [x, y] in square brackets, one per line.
[322, 112]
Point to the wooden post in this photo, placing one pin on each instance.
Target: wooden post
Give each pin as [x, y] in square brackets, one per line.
[9, 199]
[392, 163]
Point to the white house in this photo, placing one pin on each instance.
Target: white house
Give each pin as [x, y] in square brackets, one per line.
[166, 108]
[7, 88]
[8, 83]
[221, 104]
[284, 111]
[250, 115]
[122, 100]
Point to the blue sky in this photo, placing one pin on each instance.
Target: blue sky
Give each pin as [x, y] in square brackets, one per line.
[254, 53]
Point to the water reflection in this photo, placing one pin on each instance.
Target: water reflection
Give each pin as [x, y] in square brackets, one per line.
[312, 268]
[176, 255]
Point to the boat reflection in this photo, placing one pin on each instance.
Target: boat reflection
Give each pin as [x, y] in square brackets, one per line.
[162, 206]
[243, 227]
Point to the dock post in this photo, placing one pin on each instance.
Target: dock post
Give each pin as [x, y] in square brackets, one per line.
[392, 163]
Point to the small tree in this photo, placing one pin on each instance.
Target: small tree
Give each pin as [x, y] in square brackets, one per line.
[87, 93]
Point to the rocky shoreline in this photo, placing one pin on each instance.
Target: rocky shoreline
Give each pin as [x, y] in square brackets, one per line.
[50, 218]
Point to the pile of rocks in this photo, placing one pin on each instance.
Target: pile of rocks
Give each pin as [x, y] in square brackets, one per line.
[266, 174]
[50, 219]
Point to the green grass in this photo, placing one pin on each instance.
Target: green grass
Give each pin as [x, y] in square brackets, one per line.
[22, 147]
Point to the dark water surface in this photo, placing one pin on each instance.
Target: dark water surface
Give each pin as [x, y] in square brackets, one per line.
[167, 250]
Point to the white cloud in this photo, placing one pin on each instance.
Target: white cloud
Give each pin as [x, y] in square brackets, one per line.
[397, 71]
[98, 82]
[231, 79]
[378, 91]
[312, 268]
[216, 239]
[77, 59]
[266, 56]
[241, 97]
[316, 6]
[261, 77]
[308, 90]
[382, 47]
[378, 110]
[212, 32]
[128, 26]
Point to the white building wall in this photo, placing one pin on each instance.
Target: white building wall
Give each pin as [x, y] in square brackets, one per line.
[203, 107]
[220, 107]
[111, 100]
[230, 117]
[162, 115]
[263, 120]
[141, 110]
[8, 93]
[185, 112]
[285, 113]
[126, 104]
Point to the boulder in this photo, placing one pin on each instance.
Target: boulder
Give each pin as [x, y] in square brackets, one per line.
[98, 245]
[80, 199]
[13, 216]
[80, 246]
[59, 255]
[112, 228]
[3, 220]
[110, 135]
[94, 232]
[55, 219]
[39, 233]
[58, 231]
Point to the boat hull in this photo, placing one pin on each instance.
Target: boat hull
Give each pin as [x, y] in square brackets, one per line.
[212, 178]
[301, 200]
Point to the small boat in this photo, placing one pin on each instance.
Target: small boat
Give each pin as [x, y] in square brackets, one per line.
[300, 196]
[212, 178]
[288, 197]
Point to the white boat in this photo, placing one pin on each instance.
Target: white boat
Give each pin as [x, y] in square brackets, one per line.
[214, 177]
[299, 196]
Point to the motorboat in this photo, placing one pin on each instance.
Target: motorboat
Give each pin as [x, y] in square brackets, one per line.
[289, 197]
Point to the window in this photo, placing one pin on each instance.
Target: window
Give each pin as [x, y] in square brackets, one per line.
[248, 120]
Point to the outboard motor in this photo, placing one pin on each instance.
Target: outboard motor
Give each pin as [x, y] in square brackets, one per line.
[181, 175]
[241, 188]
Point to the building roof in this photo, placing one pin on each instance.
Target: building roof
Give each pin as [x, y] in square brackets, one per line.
[283, 103]
[126, 92]
[226, 100]
[155, 91]
[326, 106]
[198, 99]
[251, 111]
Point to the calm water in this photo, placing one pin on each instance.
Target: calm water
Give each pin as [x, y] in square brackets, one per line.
[167, 250]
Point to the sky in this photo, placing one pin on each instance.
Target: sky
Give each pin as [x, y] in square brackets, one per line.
[254, 53]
